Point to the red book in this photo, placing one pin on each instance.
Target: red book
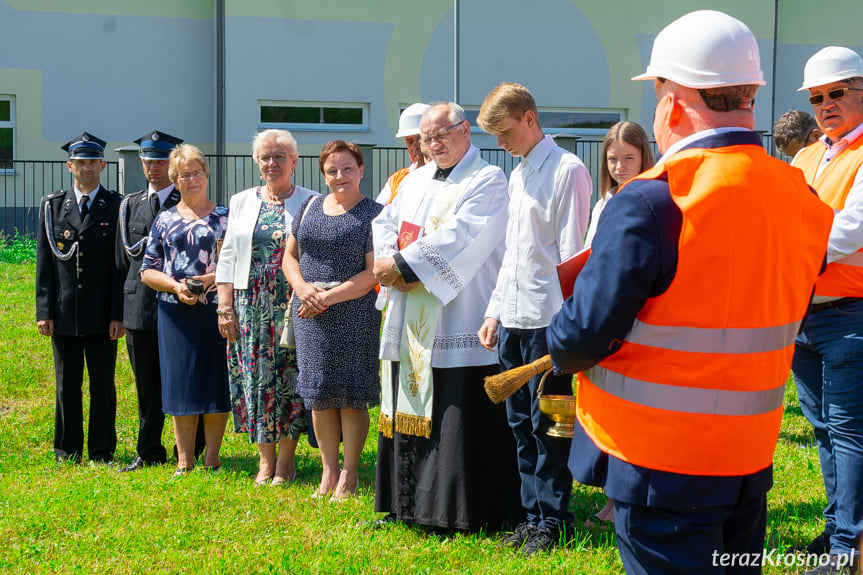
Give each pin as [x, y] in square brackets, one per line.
[568, 270]
[408, 234]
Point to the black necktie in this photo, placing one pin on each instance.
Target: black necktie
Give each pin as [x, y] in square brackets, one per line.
[82, 205]
[441, 174]
[155, 204]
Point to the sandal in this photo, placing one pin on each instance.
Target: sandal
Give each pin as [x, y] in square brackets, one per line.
[263, 481]
[350, 495]
[282, 482]
[180, 472]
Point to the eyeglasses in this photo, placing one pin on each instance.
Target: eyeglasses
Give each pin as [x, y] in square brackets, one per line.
[838, 93]
[440, 135]
[278, 158]
[189, 176]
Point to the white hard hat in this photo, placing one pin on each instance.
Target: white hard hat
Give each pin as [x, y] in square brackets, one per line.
[409, 121]
[831, 64]
[705, 49]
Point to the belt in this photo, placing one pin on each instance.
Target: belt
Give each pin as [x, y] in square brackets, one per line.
[833, 303]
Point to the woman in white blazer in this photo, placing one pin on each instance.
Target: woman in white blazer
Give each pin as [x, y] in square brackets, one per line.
[253, 295]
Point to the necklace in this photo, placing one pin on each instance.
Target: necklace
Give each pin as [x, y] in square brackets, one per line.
[274, 199]
[196, 212]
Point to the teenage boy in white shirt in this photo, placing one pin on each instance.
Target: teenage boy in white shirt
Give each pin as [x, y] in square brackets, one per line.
[549, 206]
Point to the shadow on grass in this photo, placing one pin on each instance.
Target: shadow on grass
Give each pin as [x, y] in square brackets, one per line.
[803, 438]
[795, 428]
[794, 524]
[583, 538]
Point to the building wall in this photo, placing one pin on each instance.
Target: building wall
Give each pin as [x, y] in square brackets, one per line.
[122, 68]
[117, 75]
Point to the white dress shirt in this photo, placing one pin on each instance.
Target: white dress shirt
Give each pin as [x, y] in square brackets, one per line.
[594, 215]
[91, 196]
[163, 193]
[549, 205]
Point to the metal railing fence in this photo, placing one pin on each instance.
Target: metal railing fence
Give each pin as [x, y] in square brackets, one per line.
[22, 186]
[24, 183]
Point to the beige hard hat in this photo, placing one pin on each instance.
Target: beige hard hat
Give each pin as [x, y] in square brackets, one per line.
[705, 49]
[831, 64]
[409, 121]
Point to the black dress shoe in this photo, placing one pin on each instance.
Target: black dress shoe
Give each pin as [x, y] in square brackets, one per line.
[385, 521]
[819, 546]
[73, 458]
[139, 463]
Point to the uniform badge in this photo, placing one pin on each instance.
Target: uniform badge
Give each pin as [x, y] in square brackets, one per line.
[67, 234]
[85, 137]
[60, 245]
[155, 136]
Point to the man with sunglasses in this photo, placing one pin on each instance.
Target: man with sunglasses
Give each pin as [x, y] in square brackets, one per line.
[828, 359]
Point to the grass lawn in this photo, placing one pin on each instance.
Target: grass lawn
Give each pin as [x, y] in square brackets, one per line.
[82, 519]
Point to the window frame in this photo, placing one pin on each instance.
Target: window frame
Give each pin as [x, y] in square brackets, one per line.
[319, 127]
[472, 111]
[9, 124]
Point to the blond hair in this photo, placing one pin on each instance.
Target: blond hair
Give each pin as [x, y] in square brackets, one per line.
[507, 100]
[186, 154]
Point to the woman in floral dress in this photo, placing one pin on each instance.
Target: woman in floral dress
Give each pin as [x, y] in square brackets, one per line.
[253, 296]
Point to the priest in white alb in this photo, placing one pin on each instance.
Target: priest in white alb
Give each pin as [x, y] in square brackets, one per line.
[446, 457]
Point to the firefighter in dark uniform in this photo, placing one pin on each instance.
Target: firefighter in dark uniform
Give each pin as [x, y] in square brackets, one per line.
[137, 213]
[79, 301]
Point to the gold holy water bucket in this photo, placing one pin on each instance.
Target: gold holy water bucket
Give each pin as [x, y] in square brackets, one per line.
[560, 408]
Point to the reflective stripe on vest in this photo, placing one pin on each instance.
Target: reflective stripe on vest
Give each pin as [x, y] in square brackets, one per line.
[721, 340]
[855, 259]
[696, 387]
[686, 399]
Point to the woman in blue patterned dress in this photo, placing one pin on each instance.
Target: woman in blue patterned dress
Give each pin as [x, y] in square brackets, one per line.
[183, 246]
[337, 326]
[253, 295]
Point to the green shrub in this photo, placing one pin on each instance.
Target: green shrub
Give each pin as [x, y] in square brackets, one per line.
[17, 249]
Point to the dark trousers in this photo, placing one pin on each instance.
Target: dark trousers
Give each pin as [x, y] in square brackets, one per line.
[143, 347]
[546, 482]
[691, 541]
[70, 354]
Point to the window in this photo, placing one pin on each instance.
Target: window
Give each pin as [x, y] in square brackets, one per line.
[7, 132]
[334, 117]
[567, 121]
